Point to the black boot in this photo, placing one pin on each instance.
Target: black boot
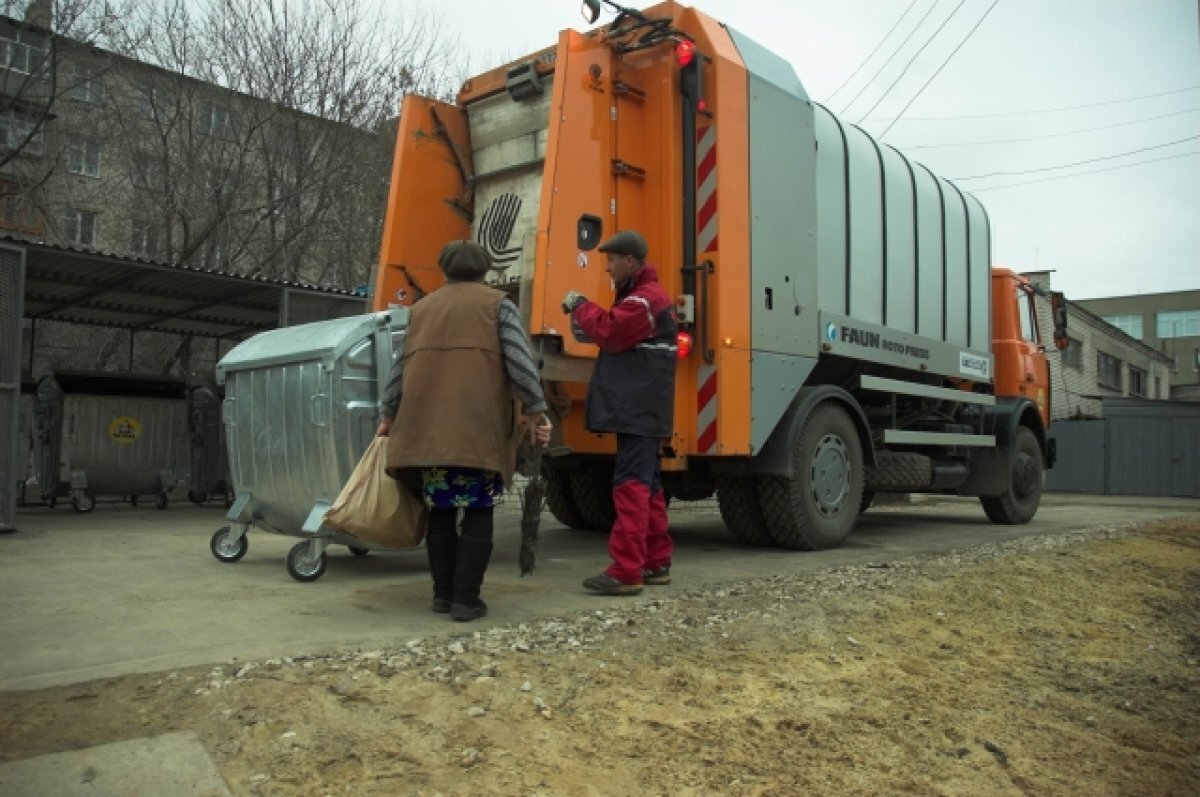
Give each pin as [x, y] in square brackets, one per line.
[441, 543]
[473, 557]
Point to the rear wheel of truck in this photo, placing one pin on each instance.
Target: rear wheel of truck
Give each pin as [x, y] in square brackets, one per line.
[737, 498]
[817, 506]
[1025, 468]
[560, 501]
[591, 489]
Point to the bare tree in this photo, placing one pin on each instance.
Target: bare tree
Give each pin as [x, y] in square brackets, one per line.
[254, 136]
[268, 145]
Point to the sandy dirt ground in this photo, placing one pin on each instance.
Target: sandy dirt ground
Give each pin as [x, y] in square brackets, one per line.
[1060, 665]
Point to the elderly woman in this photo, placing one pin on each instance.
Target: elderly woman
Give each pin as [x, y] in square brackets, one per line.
[450, 398]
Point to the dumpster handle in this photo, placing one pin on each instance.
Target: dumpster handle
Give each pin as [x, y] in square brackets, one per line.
[318, 408]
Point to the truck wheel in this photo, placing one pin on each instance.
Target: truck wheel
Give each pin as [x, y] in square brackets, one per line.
[737, 498]
[816, 508]
[591, 490]
[561, 503]
[1025, 468]
[899, 472]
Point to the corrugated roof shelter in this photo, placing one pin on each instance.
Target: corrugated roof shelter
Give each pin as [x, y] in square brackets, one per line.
[48, 282]
[79, 285]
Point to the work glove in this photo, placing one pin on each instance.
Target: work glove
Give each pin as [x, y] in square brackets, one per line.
[572, 300]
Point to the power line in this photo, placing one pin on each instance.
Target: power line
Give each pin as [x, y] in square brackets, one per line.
[829, 99]
[1050, 135]
[1049, 110]
[1081, 174]
[883, 66]
[920, 91]
[1079, 163]
[917, 54]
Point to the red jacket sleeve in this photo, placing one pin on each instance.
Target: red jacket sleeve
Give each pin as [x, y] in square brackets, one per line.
[627, 324]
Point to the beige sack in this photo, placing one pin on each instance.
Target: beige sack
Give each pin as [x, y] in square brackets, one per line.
[376, 508]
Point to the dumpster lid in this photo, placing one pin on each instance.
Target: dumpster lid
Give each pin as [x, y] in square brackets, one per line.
[322, 340]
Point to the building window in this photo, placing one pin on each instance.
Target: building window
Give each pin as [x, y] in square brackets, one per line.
[1179, 324]
[1130, 324]
[1137, 382]
[87, 88]
[1158, 394]
[1072, 356]
[216, 120]
[79, 227]
[144, 240]
[17, 128]
[18, 54]
[17, 211]
[1108, 371]
[147, 172]
[154, 104]
[83, 157]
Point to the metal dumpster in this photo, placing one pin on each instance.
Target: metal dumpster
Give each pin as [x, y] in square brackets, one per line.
[301, 405]
[23, 464]
[207, 454]
[102, 435]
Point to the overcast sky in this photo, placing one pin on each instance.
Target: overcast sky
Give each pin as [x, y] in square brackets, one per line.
[1023, 74]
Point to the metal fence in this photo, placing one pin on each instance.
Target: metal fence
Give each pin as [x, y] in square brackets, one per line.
[12, 291]
[1138, 448]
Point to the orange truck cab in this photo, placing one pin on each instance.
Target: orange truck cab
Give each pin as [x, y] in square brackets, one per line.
[849, 335]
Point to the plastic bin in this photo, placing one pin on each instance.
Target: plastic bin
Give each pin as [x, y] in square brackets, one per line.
[301, 405]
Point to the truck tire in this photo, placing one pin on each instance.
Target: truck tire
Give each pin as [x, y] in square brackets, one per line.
[737, 498]
[1025, 470]
[560, 502]
[899, 471]
[817, 506]
[591, 489]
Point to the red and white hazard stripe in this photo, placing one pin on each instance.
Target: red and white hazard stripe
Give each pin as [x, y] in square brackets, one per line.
[706, 409]
[706, 189]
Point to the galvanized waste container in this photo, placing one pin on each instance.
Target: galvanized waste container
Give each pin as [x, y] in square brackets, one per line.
[24, 461]
[208, 473]
[301, 405]
[114, 436]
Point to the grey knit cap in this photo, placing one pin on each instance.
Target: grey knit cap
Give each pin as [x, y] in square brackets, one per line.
[465, 261]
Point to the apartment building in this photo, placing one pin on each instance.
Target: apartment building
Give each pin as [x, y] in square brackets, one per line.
[101, 151]
[1166, 322]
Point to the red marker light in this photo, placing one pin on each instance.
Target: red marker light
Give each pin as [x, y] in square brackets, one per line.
[702, 105]
[684, 342]
[685, 52]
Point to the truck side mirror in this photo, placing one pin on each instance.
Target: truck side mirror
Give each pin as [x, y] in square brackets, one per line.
[590, 11]
[1058, 312]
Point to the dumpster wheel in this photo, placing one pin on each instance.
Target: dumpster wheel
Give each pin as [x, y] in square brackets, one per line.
[227, 549]
[160, 500]
[302, 566]
[83, 503]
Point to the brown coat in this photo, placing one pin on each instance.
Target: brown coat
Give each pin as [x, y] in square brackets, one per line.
[458, 407]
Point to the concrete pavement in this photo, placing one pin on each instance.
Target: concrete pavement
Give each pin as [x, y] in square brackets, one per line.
[123, 589]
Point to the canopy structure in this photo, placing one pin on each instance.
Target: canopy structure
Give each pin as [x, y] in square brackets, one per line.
[81, 286]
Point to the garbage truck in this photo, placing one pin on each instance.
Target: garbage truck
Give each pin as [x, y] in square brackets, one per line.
[843, 331]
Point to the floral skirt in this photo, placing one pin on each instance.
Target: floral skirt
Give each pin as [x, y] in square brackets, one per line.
[461, 487]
